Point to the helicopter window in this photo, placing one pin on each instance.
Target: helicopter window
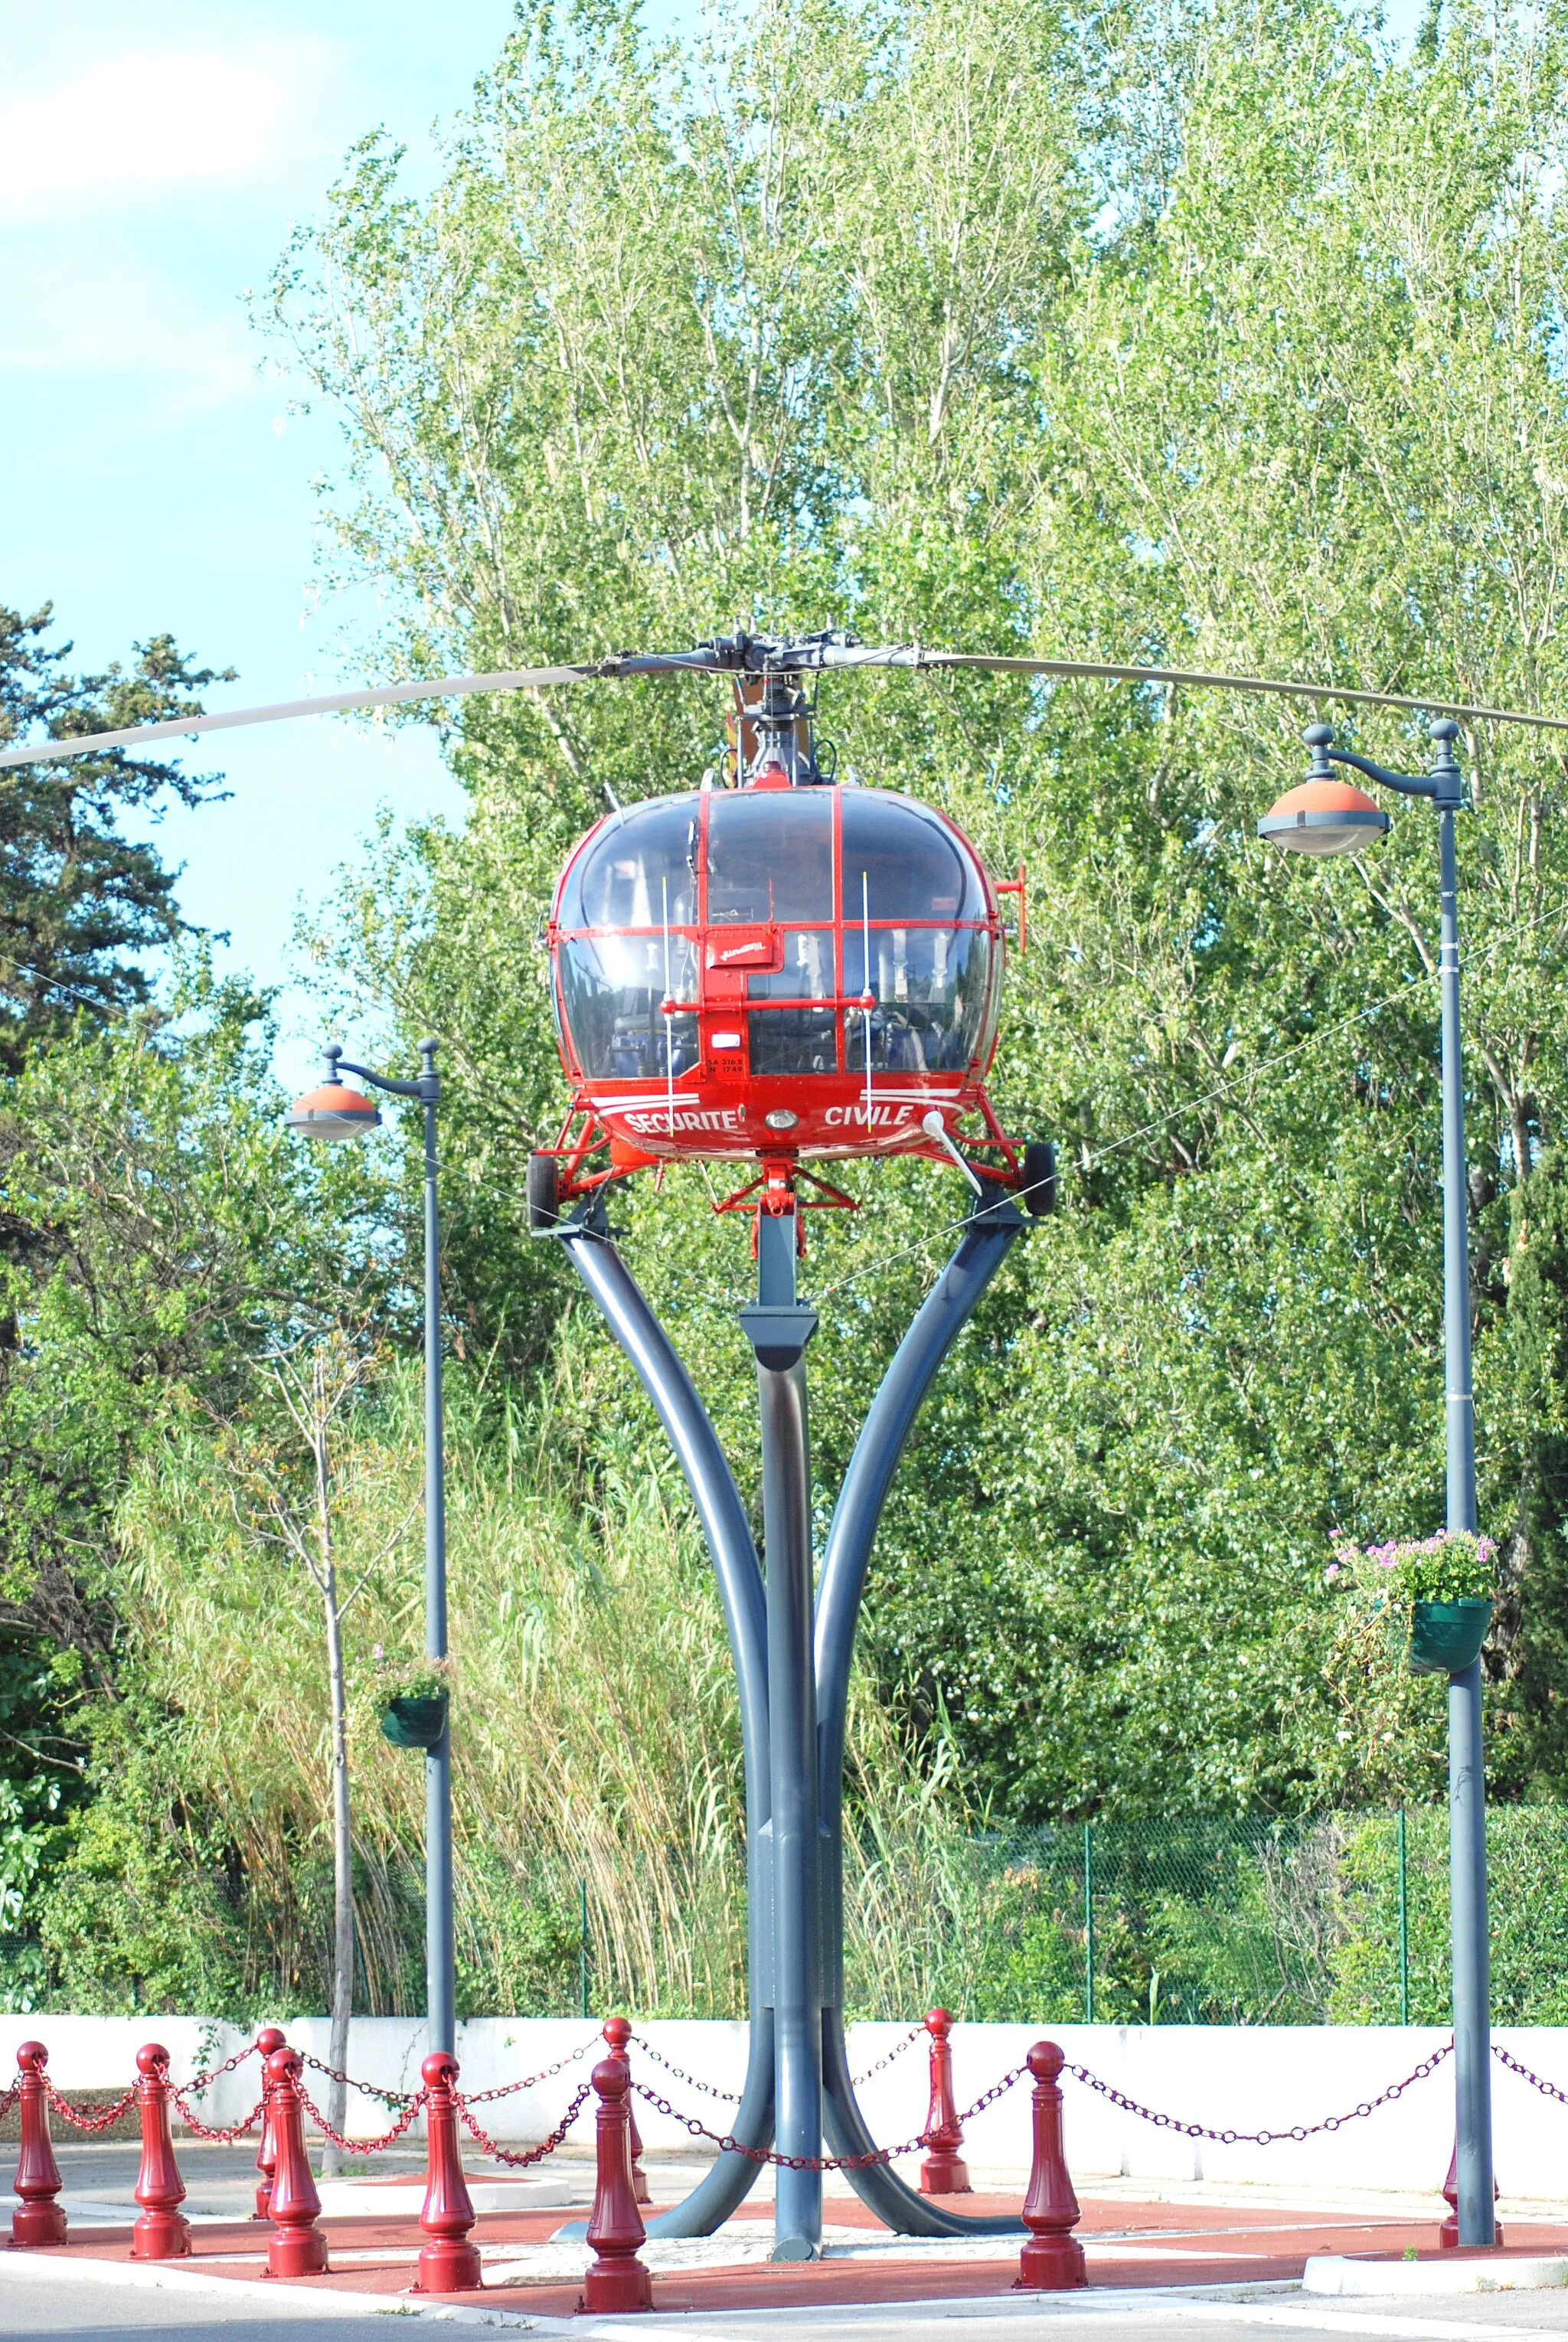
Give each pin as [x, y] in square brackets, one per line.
[613, 995]
[770, 857]
[619, 880]
[913, 865]
[807, 970]
[931, 986]
[793, 1040]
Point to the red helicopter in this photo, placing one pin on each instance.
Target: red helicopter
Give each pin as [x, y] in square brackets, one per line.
[775, 966]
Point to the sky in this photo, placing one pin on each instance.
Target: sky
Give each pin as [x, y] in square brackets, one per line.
[153, 161]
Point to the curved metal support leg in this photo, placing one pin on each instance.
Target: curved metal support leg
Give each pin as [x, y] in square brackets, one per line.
[988, 1235]
[740, 1579]
[877, 2185]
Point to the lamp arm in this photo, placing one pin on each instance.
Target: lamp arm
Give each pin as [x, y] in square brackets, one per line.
[383, 1081]
[1405, 783]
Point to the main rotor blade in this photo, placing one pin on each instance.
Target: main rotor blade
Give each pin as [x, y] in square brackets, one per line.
[387, 694]
[916, 656]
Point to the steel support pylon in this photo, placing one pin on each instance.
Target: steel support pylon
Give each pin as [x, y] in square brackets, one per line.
[792, 1660]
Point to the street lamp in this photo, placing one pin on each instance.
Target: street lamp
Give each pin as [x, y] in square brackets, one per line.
[334, 1111]
[1324, 815]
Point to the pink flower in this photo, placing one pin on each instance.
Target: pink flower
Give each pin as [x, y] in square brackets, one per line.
[1330, 1573]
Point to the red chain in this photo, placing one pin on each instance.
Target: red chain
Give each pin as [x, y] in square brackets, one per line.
[201, 2130]
[529, 2155]
[370, 2089]
[530, 2081]
[708, 2089]
[205, 2081]
[732, 2145]
[858, 2081]
[365, 2145]
[732, 2097]
[1547, 2089]
[1261, 2137]
[101, 2117]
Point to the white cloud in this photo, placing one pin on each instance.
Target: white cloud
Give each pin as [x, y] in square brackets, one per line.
[147, 123]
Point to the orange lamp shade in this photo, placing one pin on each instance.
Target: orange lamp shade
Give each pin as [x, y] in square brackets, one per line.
[333, 1111]
[1323, 817]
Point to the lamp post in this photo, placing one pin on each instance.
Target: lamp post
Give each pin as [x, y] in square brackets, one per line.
[335, 1111]
[1324, 816]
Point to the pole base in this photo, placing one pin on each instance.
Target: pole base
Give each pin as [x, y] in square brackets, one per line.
[37, 2224]
[944, 2175]
[795, 2248]
[1448, 2234]
[615, 2286]
[161, 2237]
[448, 2268]
[1051, 2264]
[297, 2255]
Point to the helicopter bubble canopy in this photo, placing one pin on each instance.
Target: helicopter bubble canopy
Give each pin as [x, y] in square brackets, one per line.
[774, 971]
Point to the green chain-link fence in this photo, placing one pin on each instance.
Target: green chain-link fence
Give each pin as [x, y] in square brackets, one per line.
[1332, 1917]
[1337, 1917]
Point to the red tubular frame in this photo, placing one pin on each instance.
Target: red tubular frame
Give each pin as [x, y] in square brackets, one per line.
[605, 1139]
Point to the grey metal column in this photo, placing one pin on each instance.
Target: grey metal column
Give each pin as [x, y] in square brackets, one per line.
[740, 1581]
[440, 1980]
[778, 1329]
[1466, 1769]
[1444, 789]
[989, 1233]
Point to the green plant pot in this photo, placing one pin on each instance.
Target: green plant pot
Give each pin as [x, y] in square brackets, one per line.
[414, 1723]
[1444, 1636]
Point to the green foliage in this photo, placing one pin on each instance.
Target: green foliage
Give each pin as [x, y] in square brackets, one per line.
[1229, 338]
[1226, 340]
[165, 1224]
[79, 900]
[138, 1913]
[1529, 1915]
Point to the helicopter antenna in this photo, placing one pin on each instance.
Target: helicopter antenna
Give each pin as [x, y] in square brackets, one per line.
[668, 1007]
[867, 995]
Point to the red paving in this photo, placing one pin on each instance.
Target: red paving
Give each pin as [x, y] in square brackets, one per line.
[1256, 2245]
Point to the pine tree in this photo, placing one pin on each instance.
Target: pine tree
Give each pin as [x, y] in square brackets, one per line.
[79, 900]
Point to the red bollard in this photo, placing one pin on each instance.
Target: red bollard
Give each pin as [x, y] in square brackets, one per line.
[1448, 2234]
[448, 2263]
[268, 2039]
[617, 2280]
[617, 2033]
[296, 2246]
[163, 2233]
[1052, 2259]
[37, 2219]
[944, 2171]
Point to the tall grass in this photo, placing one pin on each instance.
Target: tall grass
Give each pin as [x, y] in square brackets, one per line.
[596, 1739]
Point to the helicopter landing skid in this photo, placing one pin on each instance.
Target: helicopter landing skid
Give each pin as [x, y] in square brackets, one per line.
[792, 1662]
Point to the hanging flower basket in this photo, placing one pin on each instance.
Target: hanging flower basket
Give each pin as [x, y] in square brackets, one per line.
[1433, 1596]
[1444, 1636]
[412, 1722]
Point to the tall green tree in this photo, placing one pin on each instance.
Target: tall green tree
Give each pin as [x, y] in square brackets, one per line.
[80, 902]
[1229, 340]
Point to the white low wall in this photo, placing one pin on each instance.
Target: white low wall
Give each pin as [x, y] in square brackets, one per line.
[1237, 2077]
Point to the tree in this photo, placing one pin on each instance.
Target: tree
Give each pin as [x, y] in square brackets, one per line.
[1228, 339]
[273, 1508]
[79, 900]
